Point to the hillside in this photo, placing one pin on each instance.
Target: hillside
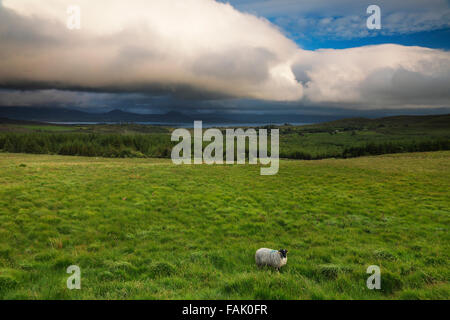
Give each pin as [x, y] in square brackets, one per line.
[398, 122]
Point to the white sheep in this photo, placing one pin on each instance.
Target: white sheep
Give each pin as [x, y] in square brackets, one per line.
[271, 258]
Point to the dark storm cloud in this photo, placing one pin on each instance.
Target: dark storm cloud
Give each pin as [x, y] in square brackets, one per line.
[201, 52]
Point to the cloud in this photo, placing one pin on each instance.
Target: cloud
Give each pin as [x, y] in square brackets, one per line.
[199, 50]
[192, 48]
[332, 7]
[59, 98]
[346, 19]
[382, 76]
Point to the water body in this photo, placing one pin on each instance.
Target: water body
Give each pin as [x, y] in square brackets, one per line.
[191, 124]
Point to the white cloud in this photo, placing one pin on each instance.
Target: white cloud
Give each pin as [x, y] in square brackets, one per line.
[201, 49]
[380, 76]
[184, 46]
[348, 17]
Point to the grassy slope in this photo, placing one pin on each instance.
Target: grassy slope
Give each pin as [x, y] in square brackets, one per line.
[142, 228]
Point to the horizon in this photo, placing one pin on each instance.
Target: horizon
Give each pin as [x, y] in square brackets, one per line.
[75, 116]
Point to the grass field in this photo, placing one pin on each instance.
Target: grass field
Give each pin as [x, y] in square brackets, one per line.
[345, 138]
[146, 229]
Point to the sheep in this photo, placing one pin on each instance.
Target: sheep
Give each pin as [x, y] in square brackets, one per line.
[271, 258]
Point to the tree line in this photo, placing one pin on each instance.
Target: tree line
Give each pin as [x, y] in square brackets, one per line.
[90, 145]
[160, 146]
[372, 148]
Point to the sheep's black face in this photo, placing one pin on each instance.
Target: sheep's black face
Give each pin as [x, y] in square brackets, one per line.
[283, 253]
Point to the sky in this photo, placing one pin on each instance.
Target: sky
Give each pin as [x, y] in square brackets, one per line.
[261, 56]
[342, 24]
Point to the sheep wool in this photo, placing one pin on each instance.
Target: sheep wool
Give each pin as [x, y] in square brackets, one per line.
[270, 257]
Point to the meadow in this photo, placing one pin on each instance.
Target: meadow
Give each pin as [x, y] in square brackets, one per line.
[338, 139]
[146, 229]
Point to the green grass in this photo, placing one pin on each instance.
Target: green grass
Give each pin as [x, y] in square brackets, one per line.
[146, 229]
[338, 139]
[49, 128]
[331, 139]
[79, 128]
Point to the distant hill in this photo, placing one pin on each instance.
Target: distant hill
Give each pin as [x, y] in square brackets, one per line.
[19, 122]
[48, 114]
[429, 121]
[52, 114]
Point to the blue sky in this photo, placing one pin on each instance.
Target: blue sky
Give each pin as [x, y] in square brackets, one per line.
[342, 24]
[436, 39]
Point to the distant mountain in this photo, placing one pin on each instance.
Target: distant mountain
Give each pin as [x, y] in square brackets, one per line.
[38, 116]
[47, 114]
[51, 114]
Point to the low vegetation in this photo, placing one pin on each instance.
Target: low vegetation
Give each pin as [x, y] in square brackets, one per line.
[144, 228]
[338, 139]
